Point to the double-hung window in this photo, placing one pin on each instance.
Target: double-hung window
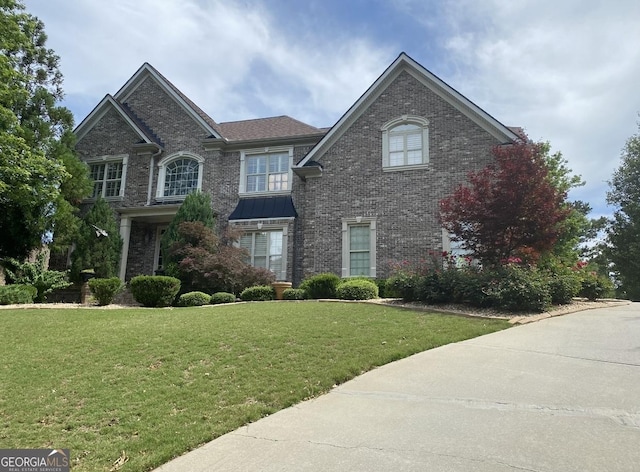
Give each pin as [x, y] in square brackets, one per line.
[266, 172]
[405, 143]
[265, 249]
[108, 175]
[359, 247]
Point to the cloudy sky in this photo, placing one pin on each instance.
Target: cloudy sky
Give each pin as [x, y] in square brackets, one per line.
[567, 71]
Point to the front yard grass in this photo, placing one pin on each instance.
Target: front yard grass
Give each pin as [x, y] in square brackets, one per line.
[151, 384]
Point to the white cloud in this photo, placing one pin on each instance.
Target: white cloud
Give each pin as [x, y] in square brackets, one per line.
[566, 71]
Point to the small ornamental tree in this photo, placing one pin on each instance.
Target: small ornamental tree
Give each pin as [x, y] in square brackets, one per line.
[209, 263]
[509, 209]
[195, 207]
[98, 244]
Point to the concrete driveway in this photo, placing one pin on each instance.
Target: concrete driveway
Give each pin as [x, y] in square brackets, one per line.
[559, 395]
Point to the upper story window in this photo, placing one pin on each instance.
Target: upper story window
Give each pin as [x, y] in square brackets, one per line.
[179, 175]
[405, 143]
[266, 171]
[108, 174]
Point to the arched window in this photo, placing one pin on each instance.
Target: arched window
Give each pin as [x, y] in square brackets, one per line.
[405, 142]
[179, 175]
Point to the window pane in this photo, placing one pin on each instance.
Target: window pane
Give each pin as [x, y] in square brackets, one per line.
[414, 141]
[396, 158]
[97, 189]
[359, 238]
[278, 182]
[406, 127]
[396, 143]
[414, 157]
[261, 244]
[359, 263]
[112, 188]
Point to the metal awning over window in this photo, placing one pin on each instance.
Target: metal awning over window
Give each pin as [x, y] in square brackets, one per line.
[263, 208]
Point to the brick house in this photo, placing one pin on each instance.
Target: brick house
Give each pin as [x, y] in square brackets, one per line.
[349, 199]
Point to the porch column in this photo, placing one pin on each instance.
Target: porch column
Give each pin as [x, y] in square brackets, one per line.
[125, 233]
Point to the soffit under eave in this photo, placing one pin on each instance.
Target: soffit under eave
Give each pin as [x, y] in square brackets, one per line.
[146, 71]
[94, 117]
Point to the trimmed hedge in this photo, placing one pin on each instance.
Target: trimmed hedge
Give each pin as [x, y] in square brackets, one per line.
[321, 285]
[105, 290]
[258, 293]
[154, 290]
[294, 294]
[194, 299]
[222, 297]
[17, 294]
[357, 289]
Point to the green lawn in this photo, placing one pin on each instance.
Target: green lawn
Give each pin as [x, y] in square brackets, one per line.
[156, 383]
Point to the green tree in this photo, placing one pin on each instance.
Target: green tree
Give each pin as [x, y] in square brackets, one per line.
[41, 180]
[623, 233]
[195, 207]
[576, 227]
[98, 243]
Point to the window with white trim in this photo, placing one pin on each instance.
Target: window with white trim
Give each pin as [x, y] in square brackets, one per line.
[179, 175]
[405, 142]
[108, 175]
[266, 250]
[268, 171]
[359, 247]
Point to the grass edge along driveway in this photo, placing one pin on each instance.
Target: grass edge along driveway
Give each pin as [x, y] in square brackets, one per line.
[151, 384]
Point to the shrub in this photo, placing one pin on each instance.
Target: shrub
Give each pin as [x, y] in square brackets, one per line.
[17, 294]
[258, 293]
[563, 287]
[594, 286]
[517, 288]
[321, 285]
[194, 299]
[294, 294]
[357, 289]
[154, 290]
[404, 285]
[222, 297]
[35, 274]
[105, 290]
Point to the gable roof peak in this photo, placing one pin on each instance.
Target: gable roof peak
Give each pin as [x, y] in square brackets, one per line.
[146, 70]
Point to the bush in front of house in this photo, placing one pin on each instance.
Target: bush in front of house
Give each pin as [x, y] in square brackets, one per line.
[404, 285]
[258, 293]
[357, 289]
[321, 285]
[154, 290]
[17, 294]
[194, 299]
[222, 297]
[294, 294]
[517, 288]
[594, 286]
[105, 290]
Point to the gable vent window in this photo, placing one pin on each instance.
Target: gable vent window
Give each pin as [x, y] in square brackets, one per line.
[405, 143]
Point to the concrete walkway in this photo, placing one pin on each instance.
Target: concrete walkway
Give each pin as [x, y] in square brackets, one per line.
[559, 395]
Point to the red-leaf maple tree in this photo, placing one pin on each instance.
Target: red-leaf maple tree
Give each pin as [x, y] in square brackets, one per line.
[510, 209]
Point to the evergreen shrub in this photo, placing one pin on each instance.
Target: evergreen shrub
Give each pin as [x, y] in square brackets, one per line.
[258, 293]
[222, 297]
[154, 290]
[17, 294]
[321, 286]
[194, 299]
[105, 290]
[357, 289]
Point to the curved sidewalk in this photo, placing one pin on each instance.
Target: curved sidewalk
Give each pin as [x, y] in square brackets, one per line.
[562, 394]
